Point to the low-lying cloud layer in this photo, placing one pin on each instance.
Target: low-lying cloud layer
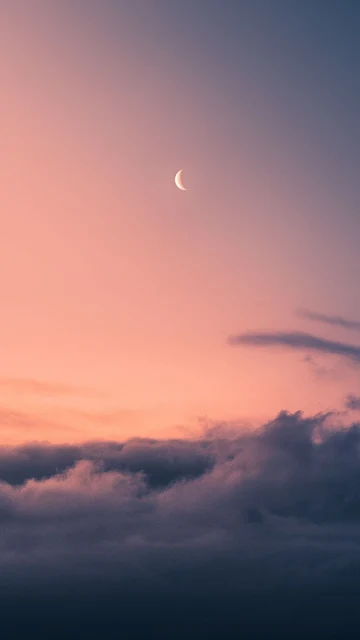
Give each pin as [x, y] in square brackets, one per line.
[278, 507]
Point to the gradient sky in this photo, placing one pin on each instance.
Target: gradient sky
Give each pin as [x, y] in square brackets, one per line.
[119, 291]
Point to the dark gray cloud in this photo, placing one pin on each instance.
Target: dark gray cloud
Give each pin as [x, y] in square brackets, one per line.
[336, 321]
[219, 519]
[352, 402]
[161, 462]
[155, 510]
[296, 340]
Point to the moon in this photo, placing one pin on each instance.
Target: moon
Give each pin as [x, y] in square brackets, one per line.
[178, 180]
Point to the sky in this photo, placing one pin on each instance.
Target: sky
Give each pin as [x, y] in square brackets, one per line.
[179, 373]
[115, 281]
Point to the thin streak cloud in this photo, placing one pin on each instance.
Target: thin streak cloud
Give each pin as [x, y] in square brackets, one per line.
[335, 321]
[29, 386]
[296, 340]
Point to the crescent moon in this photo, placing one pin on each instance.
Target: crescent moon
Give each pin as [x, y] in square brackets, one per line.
[178, 181]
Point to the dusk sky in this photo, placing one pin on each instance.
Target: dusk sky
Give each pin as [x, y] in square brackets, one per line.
[132, 309]
[111, 278]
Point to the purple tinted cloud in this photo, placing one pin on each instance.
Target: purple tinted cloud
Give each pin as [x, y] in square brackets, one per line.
[336, 321]
[194, 538]
[279, 504]
[295, 340]
[352, 402]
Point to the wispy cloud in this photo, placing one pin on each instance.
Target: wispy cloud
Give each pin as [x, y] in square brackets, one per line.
[336, 321]
[317, 369]
[352, 402]
[29, 386]
[30, 421]
[55, 422]
[296, 340]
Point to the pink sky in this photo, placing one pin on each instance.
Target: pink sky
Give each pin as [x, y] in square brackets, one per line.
[116, 285]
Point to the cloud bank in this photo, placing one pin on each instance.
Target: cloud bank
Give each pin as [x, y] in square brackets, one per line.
[221, 520]
[280, 506]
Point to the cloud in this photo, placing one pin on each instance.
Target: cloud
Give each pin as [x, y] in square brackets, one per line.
[317, 369]
[352, 402]
[28, 386]
[57, 422]
[161, 462]
[336, 321]
[296, 340]
[219, 520]
[169, 513]
[11, 419]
